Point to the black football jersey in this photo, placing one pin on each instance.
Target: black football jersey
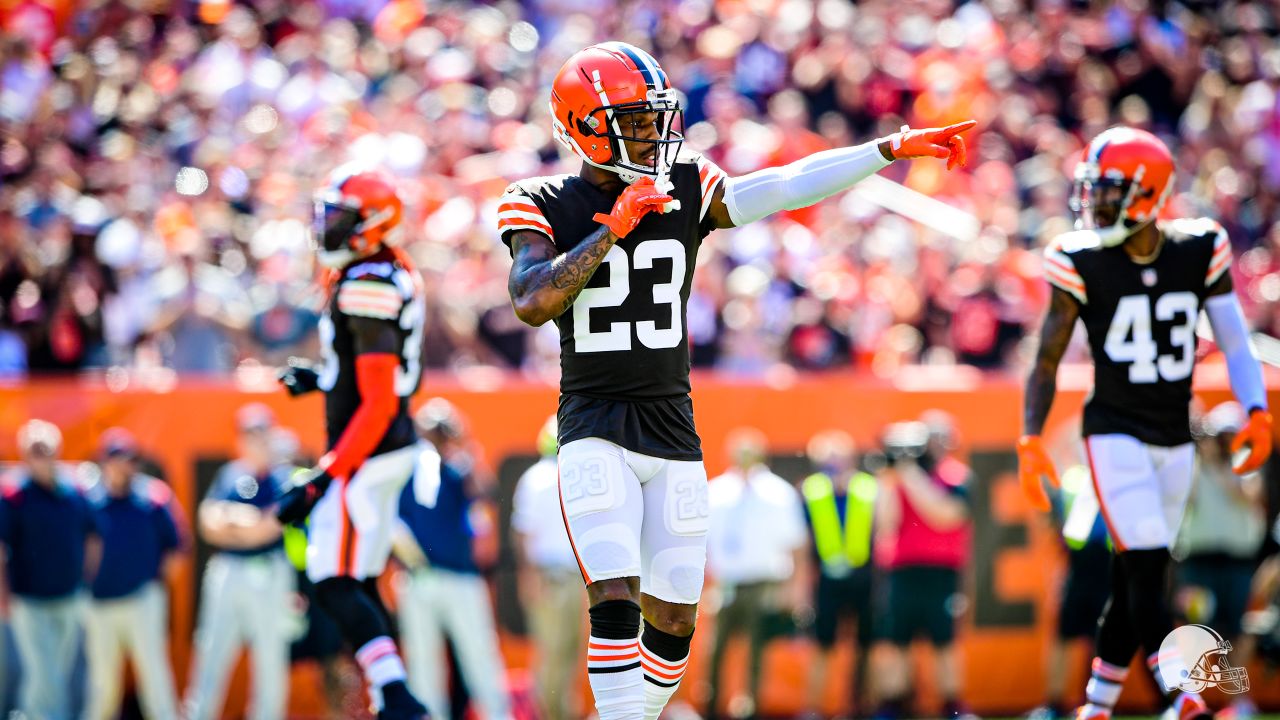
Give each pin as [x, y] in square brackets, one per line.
[624, 343]
[383, 287]
[1141, 323]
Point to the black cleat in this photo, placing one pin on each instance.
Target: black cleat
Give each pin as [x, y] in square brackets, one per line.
[399, 704]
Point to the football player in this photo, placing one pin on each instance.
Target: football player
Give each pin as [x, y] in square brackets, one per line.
[608, 254]
[371, 337]
[1138, 285]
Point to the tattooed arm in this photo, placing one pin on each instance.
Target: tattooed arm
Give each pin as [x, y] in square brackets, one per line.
[544, 283]
[1042, 385]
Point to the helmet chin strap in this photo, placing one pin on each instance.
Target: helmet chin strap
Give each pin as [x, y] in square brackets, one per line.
[1114, 235]
[1110, 236]
[627, 176]
[661, 181]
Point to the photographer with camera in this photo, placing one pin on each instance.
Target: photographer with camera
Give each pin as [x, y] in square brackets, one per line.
[923, 537]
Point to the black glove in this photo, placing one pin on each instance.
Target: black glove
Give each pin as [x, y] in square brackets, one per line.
[296, 503]
[299, 378]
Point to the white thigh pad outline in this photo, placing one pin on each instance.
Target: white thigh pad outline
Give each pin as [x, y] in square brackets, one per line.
[591, 483]
[603, 508]
[610, 550]
[687, 508]
[674, 545]
[675, 574]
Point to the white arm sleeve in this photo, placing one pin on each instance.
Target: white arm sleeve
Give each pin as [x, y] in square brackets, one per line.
[800, 184]
[1232, 334]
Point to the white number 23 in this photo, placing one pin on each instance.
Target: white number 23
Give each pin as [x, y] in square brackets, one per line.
[617, 268]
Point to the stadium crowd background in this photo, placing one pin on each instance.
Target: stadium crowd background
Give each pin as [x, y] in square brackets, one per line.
[157, 161]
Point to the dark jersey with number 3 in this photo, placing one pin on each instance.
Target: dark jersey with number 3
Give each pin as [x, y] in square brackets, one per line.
[624, 343]
[1141, 323]
[384, 288]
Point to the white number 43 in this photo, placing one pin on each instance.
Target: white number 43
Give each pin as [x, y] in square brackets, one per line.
[1130, 339]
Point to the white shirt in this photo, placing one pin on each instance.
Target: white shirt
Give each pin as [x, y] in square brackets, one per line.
[756, 525]
[1217, 520]
[536, 515]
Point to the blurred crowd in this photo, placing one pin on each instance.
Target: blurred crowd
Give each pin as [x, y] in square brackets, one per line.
[157, 160]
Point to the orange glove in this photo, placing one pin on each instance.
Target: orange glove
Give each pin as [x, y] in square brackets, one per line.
[932, 142]
[1033, 461]
[639, 198]
[1257, 435]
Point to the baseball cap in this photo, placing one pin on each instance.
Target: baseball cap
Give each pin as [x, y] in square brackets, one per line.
[440, 416]
[117, 442]
[254, 417]
[942, 427]
[1225, 419]
[39, 437]
[828, 445]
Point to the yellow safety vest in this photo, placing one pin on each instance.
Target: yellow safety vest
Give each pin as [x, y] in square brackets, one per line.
[295, 546]
[852, 546]
[295, 538]
[1079, 506]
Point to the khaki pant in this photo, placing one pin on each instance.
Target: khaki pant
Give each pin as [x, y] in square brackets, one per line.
[244, 601]
[47, 633]
[136, 624]
[742, 613]
[434, 604]
[556, 621]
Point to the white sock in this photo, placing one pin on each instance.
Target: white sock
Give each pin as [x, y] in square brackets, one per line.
[617, 682]
[380, 662]
[661, 680]
[1105, 683]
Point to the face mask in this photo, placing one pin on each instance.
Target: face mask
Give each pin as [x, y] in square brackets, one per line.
[615, 122]
[332, 228]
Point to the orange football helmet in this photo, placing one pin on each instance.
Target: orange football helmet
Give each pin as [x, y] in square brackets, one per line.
[1123, 181]
[598, 92]
[357, 211]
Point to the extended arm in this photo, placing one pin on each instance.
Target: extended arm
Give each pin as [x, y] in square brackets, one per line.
[543, 284]
[748, 198]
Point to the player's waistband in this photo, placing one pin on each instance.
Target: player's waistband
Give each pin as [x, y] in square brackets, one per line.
[617, 399]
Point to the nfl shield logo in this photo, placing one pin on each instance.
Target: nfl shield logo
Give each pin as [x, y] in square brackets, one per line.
[1149, 277]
